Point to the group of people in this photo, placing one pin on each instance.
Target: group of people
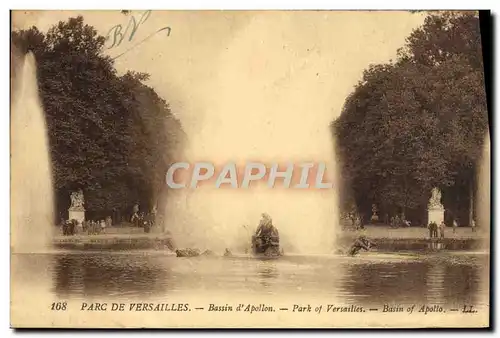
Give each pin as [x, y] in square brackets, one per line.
[69, 227]
[352, 221]
[398, 222]
[437, 230]
[92, 227]
[95, 227]
[143, 220]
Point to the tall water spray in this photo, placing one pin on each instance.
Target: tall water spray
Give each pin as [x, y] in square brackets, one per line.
[484, 191]
[32, 208]
[258, 109]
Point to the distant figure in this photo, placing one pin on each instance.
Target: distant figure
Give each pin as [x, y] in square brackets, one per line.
[432, 229]
[397, 221]
[147, 223]
[473, 226]
[109, 221]
[455, 226]
[359, 223]
[72, 227]
[103, 226]
[360, 243]
[79, 227]
[135, 219]
[94, 228]
[160, 223]
[65, 228]
[227, 253]
[441, 229]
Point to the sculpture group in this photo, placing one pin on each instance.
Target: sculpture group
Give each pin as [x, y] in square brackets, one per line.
[77, 209]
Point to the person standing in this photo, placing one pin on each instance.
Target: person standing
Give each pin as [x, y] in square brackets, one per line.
[109, 221]
[135, 219]
[397, 221]
[455, 226]
[435, 228]
[432, 229]
[473, 226]
[442, 226]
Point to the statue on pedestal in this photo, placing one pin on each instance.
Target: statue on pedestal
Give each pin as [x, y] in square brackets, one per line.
[77, 210]
[435, 200]
[435, 208]
[77, 200]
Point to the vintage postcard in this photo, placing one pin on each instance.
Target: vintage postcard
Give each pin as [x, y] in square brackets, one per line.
[249, 169]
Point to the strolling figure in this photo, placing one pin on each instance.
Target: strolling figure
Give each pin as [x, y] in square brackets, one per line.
[441, 229]
[433, 227]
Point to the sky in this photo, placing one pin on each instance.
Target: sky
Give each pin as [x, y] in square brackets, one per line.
[212, 57]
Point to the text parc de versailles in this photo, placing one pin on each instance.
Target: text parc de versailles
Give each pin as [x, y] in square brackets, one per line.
[304, 175]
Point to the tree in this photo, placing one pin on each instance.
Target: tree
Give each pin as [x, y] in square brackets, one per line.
[105, 131]
[418, 122]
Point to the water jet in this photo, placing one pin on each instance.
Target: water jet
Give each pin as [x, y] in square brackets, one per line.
[262, 104]
[32, 208]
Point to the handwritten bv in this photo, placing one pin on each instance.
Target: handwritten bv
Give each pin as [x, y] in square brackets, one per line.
[116, 34]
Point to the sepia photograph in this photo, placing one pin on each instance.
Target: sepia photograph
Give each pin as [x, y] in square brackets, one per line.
[250, 169]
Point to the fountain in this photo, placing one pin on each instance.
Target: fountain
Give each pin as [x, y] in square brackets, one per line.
[483, 194]
[32, 218]
[264, 104]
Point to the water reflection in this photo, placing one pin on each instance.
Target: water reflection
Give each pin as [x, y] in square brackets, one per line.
[435, 283]
[376, 283]
[267, 273]
[97, 275]
[438, 279]
[462, 284]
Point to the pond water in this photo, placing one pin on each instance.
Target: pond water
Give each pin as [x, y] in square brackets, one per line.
[448, 278]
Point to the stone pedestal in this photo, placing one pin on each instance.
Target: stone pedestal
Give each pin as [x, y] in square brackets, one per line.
[436, 215]
[435, 208]
[78, 215]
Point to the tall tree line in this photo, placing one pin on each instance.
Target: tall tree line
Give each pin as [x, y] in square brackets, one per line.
[111, 136]
[416, 123]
